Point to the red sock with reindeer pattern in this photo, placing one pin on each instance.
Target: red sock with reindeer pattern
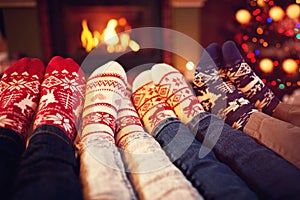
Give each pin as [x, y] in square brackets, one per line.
[171, 85]
[61, 96]
[19, 94]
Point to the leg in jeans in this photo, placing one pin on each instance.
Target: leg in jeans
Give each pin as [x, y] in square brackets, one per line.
[19, 91]
[212, 178]
[11, 148]
[48, 169]
[270, 176]
[149, 168]
[274, 179]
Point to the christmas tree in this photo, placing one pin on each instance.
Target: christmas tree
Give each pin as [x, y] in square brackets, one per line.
[268, 33]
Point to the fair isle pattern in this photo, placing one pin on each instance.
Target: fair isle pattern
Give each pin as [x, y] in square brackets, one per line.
[174, 90]
[19, 95]
[230, 104]
[252, 86]
[99, 118]
[151, 107]
[105, 89]
[104, 81]
[204, 84]
[61, 97]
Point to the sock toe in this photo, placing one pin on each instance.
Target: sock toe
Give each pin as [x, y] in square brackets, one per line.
[113, 68]
[141, 80]
[213, 53]
[160, 70]
[231, 53]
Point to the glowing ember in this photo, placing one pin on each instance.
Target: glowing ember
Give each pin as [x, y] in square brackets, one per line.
[109, 36]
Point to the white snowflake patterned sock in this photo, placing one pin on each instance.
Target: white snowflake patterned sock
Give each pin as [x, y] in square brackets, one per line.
[171, 85]
[61, 96]
[241, 74]
[151, 107]
[104, 91]
[19, 94]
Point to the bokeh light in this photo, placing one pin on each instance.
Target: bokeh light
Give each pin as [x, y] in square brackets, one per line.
[266, 65]
[290, 66]
[190, 65]
[243, 16]
[276, 13]
[293, 11]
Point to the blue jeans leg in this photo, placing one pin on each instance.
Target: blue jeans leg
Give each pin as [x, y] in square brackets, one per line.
[48, 168]
[11, 149]
[267, 174]
[213, 179]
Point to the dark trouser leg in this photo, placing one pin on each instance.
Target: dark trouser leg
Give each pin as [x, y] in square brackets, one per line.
[48, 169]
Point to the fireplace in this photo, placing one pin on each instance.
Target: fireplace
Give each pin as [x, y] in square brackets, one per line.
[63, 22]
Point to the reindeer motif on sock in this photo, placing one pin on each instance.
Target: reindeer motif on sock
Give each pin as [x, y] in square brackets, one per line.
[158, 115]
[193, 107]
[27, 102]
[48, 98]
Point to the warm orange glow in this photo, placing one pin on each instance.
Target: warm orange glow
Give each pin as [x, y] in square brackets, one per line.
[109, 36]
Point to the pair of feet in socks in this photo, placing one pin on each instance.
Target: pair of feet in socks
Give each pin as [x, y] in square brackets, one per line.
[56, 93]
[162, 93]
[107, 102]
[226, 86]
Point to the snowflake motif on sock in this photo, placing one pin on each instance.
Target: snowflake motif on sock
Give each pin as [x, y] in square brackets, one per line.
[58, 119]
[4, 121]
[99, 118]
[16, 84]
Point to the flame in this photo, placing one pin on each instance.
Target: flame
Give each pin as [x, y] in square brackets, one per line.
[109, 36]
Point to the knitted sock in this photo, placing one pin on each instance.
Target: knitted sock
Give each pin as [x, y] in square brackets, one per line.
[151, 109]
[149, 168]
[241, 74]
[19, 95]
[171, 85]
[101, 162]
[104, 91]
[221, 97]
[61, 96]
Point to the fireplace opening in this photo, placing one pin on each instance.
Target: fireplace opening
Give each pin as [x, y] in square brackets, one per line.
[77, 27]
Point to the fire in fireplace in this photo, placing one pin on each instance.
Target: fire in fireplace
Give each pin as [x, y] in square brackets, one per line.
[76, 27]
[113, 36]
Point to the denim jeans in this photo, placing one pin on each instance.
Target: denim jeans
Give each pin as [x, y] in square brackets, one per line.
[102, 171]
[269, 175]
[213, 179]
[48, 168]
[11, 149]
